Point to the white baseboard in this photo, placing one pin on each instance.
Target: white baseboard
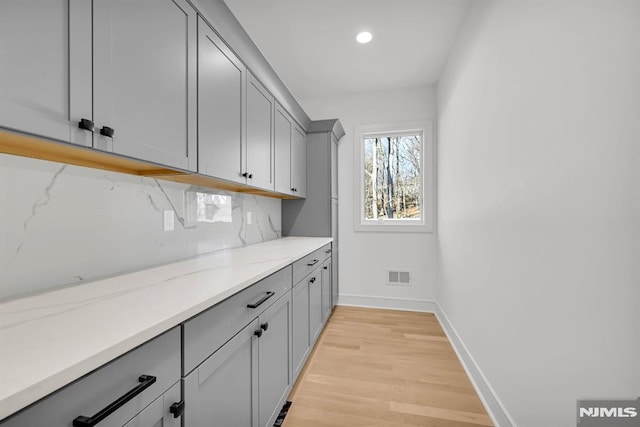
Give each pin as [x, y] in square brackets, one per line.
[388, 303]
[495, 408]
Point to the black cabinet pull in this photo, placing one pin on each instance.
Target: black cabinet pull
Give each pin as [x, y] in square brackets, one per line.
[86, 124]
[312, 280]
[245, 174]
[264, 326]
[325, 267]
[261, 300]
[250, 176]
[145, 382]
[258, 333]
[107, 131]
[177, 409]
[314, 262]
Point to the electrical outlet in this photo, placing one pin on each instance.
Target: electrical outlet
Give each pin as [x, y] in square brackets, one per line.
[169, 220]
[249, 218]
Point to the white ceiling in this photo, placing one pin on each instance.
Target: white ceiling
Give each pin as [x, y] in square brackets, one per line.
[311, 43]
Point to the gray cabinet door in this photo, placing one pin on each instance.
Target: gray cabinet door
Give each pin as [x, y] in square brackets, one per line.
[282, 164]
[144, 79]
[274, 360]
[157, 413]
[326, 290]
[45, 68]
[299, 161]
[260, 153]
[221, 91]
[300, 326]
[334, 167]
[315, 305]
[223, 390]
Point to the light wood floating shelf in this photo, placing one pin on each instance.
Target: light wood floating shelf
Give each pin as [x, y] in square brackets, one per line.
[28, 146]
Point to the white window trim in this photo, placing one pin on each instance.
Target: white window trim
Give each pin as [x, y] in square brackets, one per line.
[425, 225]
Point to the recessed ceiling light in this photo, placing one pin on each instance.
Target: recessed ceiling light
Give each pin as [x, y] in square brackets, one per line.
[364, 37]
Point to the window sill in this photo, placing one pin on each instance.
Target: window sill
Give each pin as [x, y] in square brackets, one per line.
[384, 227]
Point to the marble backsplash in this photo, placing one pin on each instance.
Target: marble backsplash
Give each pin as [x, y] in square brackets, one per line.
[61, 224]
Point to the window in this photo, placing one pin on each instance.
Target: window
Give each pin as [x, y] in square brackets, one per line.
[395, 179]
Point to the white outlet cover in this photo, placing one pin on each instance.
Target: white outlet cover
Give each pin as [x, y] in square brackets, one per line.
[169, 221]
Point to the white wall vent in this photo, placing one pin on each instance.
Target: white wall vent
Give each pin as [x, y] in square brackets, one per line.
[398, 278]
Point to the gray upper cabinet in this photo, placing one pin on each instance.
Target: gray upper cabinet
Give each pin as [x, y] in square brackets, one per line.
[45, 71]
[291, 149]
[282, 166]
[221, 91]
[144, 80]
[260, 107]
[299, 161]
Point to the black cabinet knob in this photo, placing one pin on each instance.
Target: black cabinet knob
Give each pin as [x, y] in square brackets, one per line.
[312, 280]
[258, 333]
[86, 124]
[107, 131]
[245, 174]
[177, 409]
[325, 267]
[250, 176]
[264, 326]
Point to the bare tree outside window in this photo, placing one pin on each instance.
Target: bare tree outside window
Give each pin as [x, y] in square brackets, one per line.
[392, 177]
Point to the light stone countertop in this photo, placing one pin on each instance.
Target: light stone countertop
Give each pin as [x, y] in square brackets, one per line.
[51, 339]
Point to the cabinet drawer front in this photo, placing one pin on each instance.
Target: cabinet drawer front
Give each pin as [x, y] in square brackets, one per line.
[159, 357]
[208, 331]
[306, 265]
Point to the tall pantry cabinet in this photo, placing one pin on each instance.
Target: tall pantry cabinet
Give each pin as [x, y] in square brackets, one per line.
[317, 215]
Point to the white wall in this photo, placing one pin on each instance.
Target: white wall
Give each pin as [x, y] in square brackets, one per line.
[539, 201]
[364, 256]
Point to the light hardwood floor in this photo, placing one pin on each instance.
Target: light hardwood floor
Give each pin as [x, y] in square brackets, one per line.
[384, 368]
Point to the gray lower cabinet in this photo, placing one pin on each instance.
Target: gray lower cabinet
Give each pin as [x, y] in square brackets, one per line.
[221, 91]
[260, 108]
[158, 414]
[301, 342]
[326, 290]
[45, 77]
[223, 390]
[144, 80]
[152, 371]
[315, 305]
[247, 380]
[274, 355]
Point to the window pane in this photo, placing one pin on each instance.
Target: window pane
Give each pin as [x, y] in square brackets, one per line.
[392, 177]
